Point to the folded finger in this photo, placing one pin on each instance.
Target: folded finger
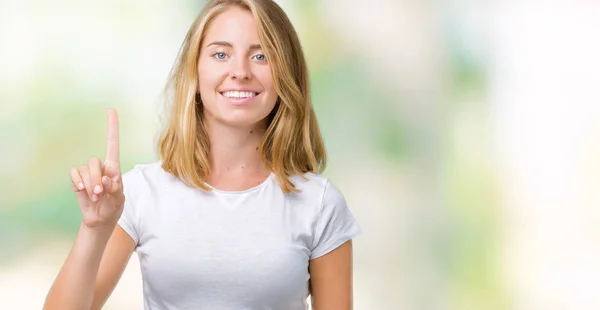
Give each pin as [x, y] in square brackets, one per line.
[84, 171]
[96, 175]
[76, 180]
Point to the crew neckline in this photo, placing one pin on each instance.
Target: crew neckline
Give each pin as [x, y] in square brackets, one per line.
[244, 191]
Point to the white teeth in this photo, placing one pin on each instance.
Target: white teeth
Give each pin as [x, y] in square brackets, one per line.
[239, 94]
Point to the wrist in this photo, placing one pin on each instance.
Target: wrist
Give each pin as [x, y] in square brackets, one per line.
[96, 233]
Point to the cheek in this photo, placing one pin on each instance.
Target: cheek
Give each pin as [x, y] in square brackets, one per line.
[266, 80]
[208, 80]
[208, 76]
[205, 80]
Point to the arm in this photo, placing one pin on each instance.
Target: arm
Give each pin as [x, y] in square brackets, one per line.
[331, 279]
[91, 271]
[116, 256]
[101, 249]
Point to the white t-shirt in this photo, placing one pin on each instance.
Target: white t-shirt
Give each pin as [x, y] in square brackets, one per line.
[237, 250]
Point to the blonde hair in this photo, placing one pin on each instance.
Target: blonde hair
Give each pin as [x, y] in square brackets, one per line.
[292, 143]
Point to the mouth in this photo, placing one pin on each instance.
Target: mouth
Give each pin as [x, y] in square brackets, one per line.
[239, 97]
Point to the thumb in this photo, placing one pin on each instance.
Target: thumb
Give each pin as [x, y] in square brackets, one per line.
[114, 189]
[106, 182]
[112, 185]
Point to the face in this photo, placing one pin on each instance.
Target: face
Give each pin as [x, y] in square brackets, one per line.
[235, 82]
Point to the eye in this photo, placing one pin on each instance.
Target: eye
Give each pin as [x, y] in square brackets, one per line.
[260, 57]
[219, 55]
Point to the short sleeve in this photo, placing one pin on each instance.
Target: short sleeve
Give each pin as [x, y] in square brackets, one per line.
[130, 218]
[335, 224]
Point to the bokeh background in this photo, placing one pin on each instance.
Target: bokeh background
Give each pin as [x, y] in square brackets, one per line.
[465, 135]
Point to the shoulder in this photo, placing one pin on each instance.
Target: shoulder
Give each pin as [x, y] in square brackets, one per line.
[332, 222]
[147, 175]
[147, 169]
[317, 186]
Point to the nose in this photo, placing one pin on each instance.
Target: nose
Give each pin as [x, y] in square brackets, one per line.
[240, 69]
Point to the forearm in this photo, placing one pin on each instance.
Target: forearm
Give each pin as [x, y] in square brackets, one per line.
[74, 285]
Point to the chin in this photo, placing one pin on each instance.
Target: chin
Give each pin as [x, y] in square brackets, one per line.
[238, 121]
[239, 117]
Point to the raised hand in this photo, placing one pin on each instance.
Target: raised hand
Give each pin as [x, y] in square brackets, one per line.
[98, 186]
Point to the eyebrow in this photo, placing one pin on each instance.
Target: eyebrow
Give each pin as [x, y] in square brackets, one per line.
[227, 44]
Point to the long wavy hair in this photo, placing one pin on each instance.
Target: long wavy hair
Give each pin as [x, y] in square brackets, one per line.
[292, 143]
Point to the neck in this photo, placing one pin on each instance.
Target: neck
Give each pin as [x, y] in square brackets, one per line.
[234, 151]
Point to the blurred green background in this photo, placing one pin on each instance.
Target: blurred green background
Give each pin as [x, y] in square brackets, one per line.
[465, 136]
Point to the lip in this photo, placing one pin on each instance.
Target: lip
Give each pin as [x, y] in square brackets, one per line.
[239, 101]
[239, 89]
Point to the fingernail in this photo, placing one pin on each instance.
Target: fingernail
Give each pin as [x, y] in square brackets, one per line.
[94, 197]
[97, 189]
[80, 185]
[106, 182]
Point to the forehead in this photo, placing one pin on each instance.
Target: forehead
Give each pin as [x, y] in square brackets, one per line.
[234, 25]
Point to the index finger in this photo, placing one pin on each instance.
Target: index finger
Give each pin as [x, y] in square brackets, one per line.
[112, 141]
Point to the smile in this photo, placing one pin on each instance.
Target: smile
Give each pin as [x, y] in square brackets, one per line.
[239, 94]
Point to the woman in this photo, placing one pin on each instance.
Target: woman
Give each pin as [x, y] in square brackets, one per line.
[236, 214]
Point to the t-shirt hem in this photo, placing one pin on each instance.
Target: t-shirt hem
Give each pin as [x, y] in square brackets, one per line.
[355, 231]
[130, 231]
